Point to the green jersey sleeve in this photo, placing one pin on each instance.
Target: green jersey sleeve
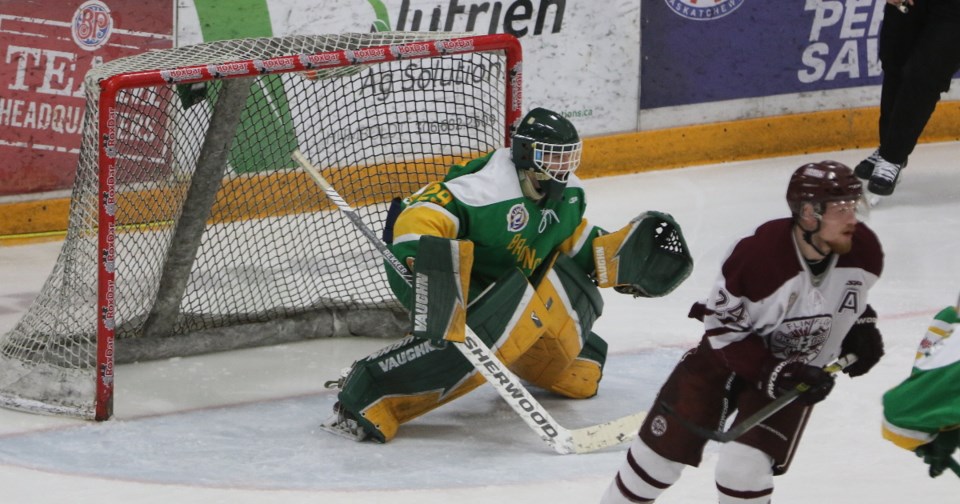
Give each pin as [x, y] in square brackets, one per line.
[928, 401]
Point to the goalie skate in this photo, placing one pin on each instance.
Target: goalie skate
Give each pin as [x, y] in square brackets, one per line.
[338, 383]
[342, 423]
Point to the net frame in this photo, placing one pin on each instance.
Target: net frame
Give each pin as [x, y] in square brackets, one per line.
[242, 59]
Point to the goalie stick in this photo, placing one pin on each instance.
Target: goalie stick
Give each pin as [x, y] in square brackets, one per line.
[562, 440]
[763, 413]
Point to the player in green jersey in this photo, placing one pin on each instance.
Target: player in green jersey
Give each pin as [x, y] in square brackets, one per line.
[507, 231]
[922, 413]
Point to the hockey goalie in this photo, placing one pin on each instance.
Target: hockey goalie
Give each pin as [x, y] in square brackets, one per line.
[501, 244]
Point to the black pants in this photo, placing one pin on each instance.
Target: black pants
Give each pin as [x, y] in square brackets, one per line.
[919, 53]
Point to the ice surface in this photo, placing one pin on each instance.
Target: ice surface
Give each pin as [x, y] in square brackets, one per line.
[241, 427]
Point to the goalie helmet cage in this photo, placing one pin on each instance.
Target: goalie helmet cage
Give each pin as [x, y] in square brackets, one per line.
[191, 230]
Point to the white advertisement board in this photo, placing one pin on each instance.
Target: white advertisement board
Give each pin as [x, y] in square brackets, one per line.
[581, 58]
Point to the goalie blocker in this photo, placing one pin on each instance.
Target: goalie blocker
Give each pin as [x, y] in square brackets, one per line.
[539, 328]
[441, 285]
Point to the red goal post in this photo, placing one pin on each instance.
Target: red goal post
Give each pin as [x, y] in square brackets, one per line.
[176, 266]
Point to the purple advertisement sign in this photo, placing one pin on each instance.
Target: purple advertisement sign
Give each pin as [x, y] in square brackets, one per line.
[698, 51]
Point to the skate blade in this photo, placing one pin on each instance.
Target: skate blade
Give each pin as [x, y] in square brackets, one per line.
[334, 425]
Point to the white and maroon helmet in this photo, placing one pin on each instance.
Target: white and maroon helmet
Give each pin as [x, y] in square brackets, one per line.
[820, 183]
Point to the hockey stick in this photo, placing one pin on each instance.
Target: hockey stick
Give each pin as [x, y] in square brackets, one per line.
[951, 464]
[954, 466]
[561, 439]
[763, 413]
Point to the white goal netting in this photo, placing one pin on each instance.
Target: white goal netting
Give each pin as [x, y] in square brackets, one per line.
[195, 231]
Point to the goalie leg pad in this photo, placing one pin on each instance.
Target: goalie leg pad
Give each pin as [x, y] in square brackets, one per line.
[401, 382]
[411, 377]
[577, 291]
[581, 379]
[572, 305]
[508, 316]
[648, 257]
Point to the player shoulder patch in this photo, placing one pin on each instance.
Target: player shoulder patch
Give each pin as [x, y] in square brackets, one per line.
[517, 218]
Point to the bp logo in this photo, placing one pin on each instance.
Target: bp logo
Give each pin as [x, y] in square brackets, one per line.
[704, 10]
[92, 25]
[517, 218]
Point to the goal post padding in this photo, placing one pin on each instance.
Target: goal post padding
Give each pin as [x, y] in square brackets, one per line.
[191, 229]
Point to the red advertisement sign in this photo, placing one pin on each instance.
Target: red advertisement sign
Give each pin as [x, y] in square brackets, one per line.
[47, 47]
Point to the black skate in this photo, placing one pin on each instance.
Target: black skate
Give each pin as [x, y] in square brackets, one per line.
[885, 177]
[864, 170]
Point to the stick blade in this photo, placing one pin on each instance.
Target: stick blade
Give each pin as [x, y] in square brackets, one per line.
[612, 433]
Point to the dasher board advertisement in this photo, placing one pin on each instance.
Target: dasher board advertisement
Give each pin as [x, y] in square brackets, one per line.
[47, 47]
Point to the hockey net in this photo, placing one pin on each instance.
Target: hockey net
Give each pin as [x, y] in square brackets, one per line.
[191, 230]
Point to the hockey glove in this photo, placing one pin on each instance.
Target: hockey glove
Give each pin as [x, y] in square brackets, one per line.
[864, 341]
[441, 281]
[783, 376]
[939, 452]
[648, 257]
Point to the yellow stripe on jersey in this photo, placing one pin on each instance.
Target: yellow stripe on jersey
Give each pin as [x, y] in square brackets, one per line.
[572, 245]
[425, 219]
[938, 331]
[941, 329]
[905, 438]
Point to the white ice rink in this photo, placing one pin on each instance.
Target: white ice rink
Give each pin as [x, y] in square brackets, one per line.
[241, 427]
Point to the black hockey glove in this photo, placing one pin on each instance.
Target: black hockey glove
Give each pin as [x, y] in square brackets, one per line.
[939, 453]
[864, 341]
[784, 376]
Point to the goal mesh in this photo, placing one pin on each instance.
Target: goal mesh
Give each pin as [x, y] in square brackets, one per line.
[216, 240]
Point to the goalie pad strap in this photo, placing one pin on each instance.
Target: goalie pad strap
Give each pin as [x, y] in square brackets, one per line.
[441, 281]
[648, 257]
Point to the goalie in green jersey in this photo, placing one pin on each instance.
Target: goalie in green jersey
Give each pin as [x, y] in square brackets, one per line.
[922, 413]
[501, 244]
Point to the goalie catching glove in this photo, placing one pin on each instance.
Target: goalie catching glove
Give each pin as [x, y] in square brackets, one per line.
[441, 281]
[648, 257]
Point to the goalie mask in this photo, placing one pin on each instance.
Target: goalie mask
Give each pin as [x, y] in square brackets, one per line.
[546, 146]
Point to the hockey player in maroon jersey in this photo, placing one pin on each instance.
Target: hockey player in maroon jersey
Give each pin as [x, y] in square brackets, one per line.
[789, 300]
